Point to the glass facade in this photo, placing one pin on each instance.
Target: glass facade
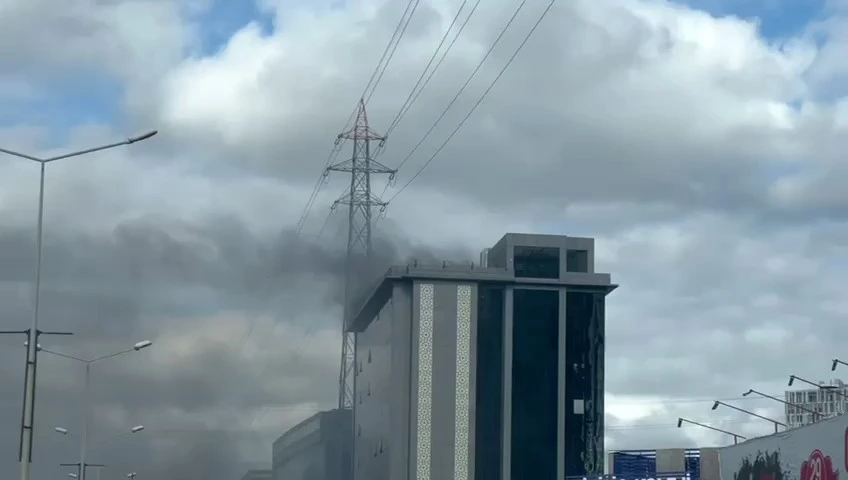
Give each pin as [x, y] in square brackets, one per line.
[489, 400]
[535, 396]
[584, 387]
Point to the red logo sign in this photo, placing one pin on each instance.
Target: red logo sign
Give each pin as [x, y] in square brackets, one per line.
[818, 467]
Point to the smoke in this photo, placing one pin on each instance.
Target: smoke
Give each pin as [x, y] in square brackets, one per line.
[162, 278]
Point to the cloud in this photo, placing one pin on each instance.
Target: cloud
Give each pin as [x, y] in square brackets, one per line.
[705, 157]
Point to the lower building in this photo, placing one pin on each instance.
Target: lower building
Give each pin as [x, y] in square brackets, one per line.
[318, 448]
[814, 452]
[257, 475]
[491, 372]
[666, 463]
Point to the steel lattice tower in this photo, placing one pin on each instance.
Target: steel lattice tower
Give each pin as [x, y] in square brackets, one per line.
[361, 202]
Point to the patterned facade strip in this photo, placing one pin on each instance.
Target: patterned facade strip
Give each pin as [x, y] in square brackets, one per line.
[463, 382]
[425, 381]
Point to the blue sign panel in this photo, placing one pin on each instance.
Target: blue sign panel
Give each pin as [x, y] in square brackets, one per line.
[642, 465]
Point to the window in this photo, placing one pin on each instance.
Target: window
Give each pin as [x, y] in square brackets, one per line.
[536, 262]
[534, 384]
[577, 261]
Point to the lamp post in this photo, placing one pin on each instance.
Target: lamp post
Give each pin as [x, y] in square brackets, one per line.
[736, 436]
[80, 469]
[836, 362]
[83, 442]
[775, 422]
[32, 354]
[826, 388]
[816, 415]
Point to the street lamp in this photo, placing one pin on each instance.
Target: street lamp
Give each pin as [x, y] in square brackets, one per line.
[83, 442]
[827, 388]
[135, 429]
[775, 422]
[836, 362]
[32, 355]
[816, 415]
[736, 436]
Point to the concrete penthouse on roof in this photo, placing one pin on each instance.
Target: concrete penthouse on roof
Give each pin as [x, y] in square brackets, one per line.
[490, 372]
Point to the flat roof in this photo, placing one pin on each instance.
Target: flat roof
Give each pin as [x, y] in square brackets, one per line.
[382, 291]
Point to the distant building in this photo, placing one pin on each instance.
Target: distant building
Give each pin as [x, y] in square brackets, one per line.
[829, 400]
[484, 372]
[257, 475]
[318, 448]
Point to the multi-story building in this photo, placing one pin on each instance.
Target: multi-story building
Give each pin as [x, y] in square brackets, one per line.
[318, 448]
[492, 372]
[830, 399]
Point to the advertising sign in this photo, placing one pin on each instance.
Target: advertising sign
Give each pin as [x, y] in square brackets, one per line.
[812, 452]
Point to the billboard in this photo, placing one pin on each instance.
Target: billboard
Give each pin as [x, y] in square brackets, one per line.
[812, 452]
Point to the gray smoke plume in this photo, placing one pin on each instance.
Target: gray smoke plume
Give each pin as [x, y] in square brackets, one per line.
[155, 275]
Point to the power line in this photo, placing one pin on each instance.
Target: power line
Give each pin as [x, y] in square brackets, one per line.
[645, 426]
[479, 101]
[680, 400]
[414, 5]
[415, 92]
[465, 85]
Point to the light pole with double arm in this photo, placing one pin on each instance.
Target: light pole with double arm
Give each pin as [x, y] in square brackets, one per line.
[88, 362]
[32, 353]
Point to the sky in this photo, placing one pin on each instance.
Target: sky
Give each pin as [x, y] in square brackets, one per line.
[699, 142]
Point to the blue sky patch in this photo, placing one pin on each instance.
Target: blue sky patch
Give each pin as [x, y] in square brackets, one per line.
[778, 18]
[61, 104]
[226, 17]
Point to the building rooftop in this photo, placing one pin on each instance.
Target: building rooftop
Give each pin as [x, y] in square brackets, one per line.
[500, 268]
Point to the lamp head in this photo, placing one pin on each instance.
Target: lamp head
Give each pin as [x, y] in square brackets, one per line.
[833, 367]
[143, 344]
[716, 404]
[137, 428]
[679, 422]
[143, 136]
[791, 380]
[63, 431]
[748, 393]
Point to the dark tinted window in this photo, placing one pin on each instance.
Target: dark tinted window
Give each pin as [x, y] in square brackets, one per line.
[536, 262]
[534, 384]
[584, 383]
[489, 412]
[577, 261]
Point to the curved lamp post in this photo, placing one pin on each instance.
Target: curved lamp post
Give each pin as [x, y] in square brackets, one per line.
[736, 436]
[816, 415]
[32, 355]
[826, 388]
[717, 403]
